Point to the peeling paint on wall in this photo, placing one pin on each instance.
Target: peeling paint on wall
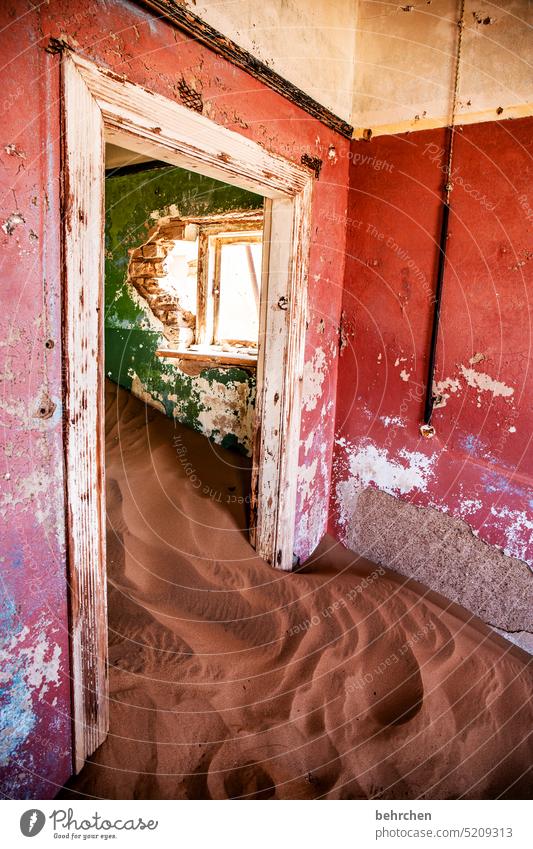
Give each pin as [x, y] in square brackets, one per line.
[517, 527]
[366, 464]
[217, 402]
[29, 668]
[314, 376]
[30, 341]
[480, 380]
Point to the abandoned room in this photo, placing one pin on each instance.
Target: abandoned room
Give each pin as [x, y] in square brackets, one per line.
[267, 484]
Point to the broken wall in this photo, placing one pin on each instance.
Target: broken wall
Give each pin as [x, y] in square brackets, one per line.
[217, 402]
[128, 40]
[477, 472]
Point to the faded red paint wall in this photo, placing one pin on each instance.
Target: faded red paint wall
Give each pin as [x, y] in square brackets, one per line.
[122, 37]
[479, 465]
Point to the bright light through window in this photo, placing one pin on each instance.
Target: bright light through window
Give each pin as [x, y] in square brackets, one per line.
[237, 288]
[182, 273]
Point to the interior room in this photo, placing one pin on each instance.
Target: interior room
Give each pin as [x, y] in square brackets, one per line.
[267, 470]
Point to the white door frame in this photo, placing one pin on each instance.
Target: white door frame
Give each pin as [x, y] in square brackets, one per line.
[100, 106]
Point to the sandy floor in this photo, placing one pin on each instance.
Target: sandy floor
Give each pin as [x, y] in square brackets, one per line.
[229, 679]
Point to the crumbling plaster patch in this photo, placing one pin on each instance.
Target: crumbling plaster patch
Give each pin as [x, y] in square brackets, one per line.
[443, 553]
[223, 408]
[226, 408]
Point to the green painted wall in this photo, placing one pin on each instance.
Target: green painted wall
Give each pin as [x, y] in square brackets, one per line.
[217, 402]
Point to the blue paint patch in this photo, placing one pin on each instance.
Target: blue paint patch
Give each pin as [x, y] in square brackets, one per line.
[473, 445]
[494, 482]
[17, 560]
[17, 718]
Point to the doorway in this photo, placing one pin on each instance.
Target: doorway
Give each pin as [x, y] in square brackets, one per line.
[99, 108]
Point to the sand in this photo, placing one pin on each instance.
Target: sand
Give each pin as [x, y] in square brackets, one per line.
[231, 680]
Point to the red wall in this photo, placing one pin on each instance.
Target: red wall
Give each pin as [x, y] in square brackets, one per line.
[479, 465]
[123, 37]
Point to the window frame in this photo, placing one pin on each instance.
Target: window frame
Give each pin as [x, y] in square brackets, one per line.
[208, 233]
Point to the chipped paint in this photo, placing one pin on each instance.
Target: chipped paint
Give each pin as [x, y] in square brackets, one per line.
[314, 376]
[369, 465]
[486, 383]
[29, 667]
[10, 224]
[33, 280]
[517, 527]
[215, 401]
[443, 388]
[393, 421]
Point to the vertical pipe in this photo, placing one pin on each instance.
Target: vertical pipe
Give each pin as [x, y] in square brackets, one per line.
[430, 398]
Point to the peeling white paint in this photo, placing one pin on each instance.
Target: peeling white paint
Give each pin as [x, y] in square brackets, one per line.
[228, 409]
[442, 389]
[393, 421]
[309, 442]
[480, 380]
[518, 530]
[469, 506]
[314, 376]
[139, 390]
[371, 465]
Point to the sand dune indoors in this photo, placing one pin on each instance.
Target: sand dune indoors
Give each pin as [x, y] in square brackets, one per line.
[229, 679]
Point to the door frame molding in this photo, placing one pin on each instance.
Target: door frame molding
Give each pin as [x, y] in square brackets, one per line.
[99, 106]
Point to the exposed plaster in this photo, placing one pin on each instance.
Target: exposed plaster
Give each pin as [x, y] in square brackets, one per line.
[140, 391]
[480, 380]
[442, 552]
[477, 380]
[389, 52]
[227, 408]
[314, 376]
[367, 464]
[517, 527]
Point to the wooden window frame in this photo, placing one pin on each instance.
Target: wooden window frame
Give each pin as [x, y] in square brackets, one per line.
[98, 106]
[208, 231]
[225, 238]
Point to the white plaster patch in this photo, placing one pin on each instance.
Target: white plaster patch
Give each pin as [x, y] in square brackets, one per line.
[309, 442]
[518, 530]
[139, 390]
[227, 410]
[306, 476]
[469, 506]
[311, 527]
[405, 375]
[392, 421]
[314, 375]
[480, 380]
[372, 465]
[442, 389]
